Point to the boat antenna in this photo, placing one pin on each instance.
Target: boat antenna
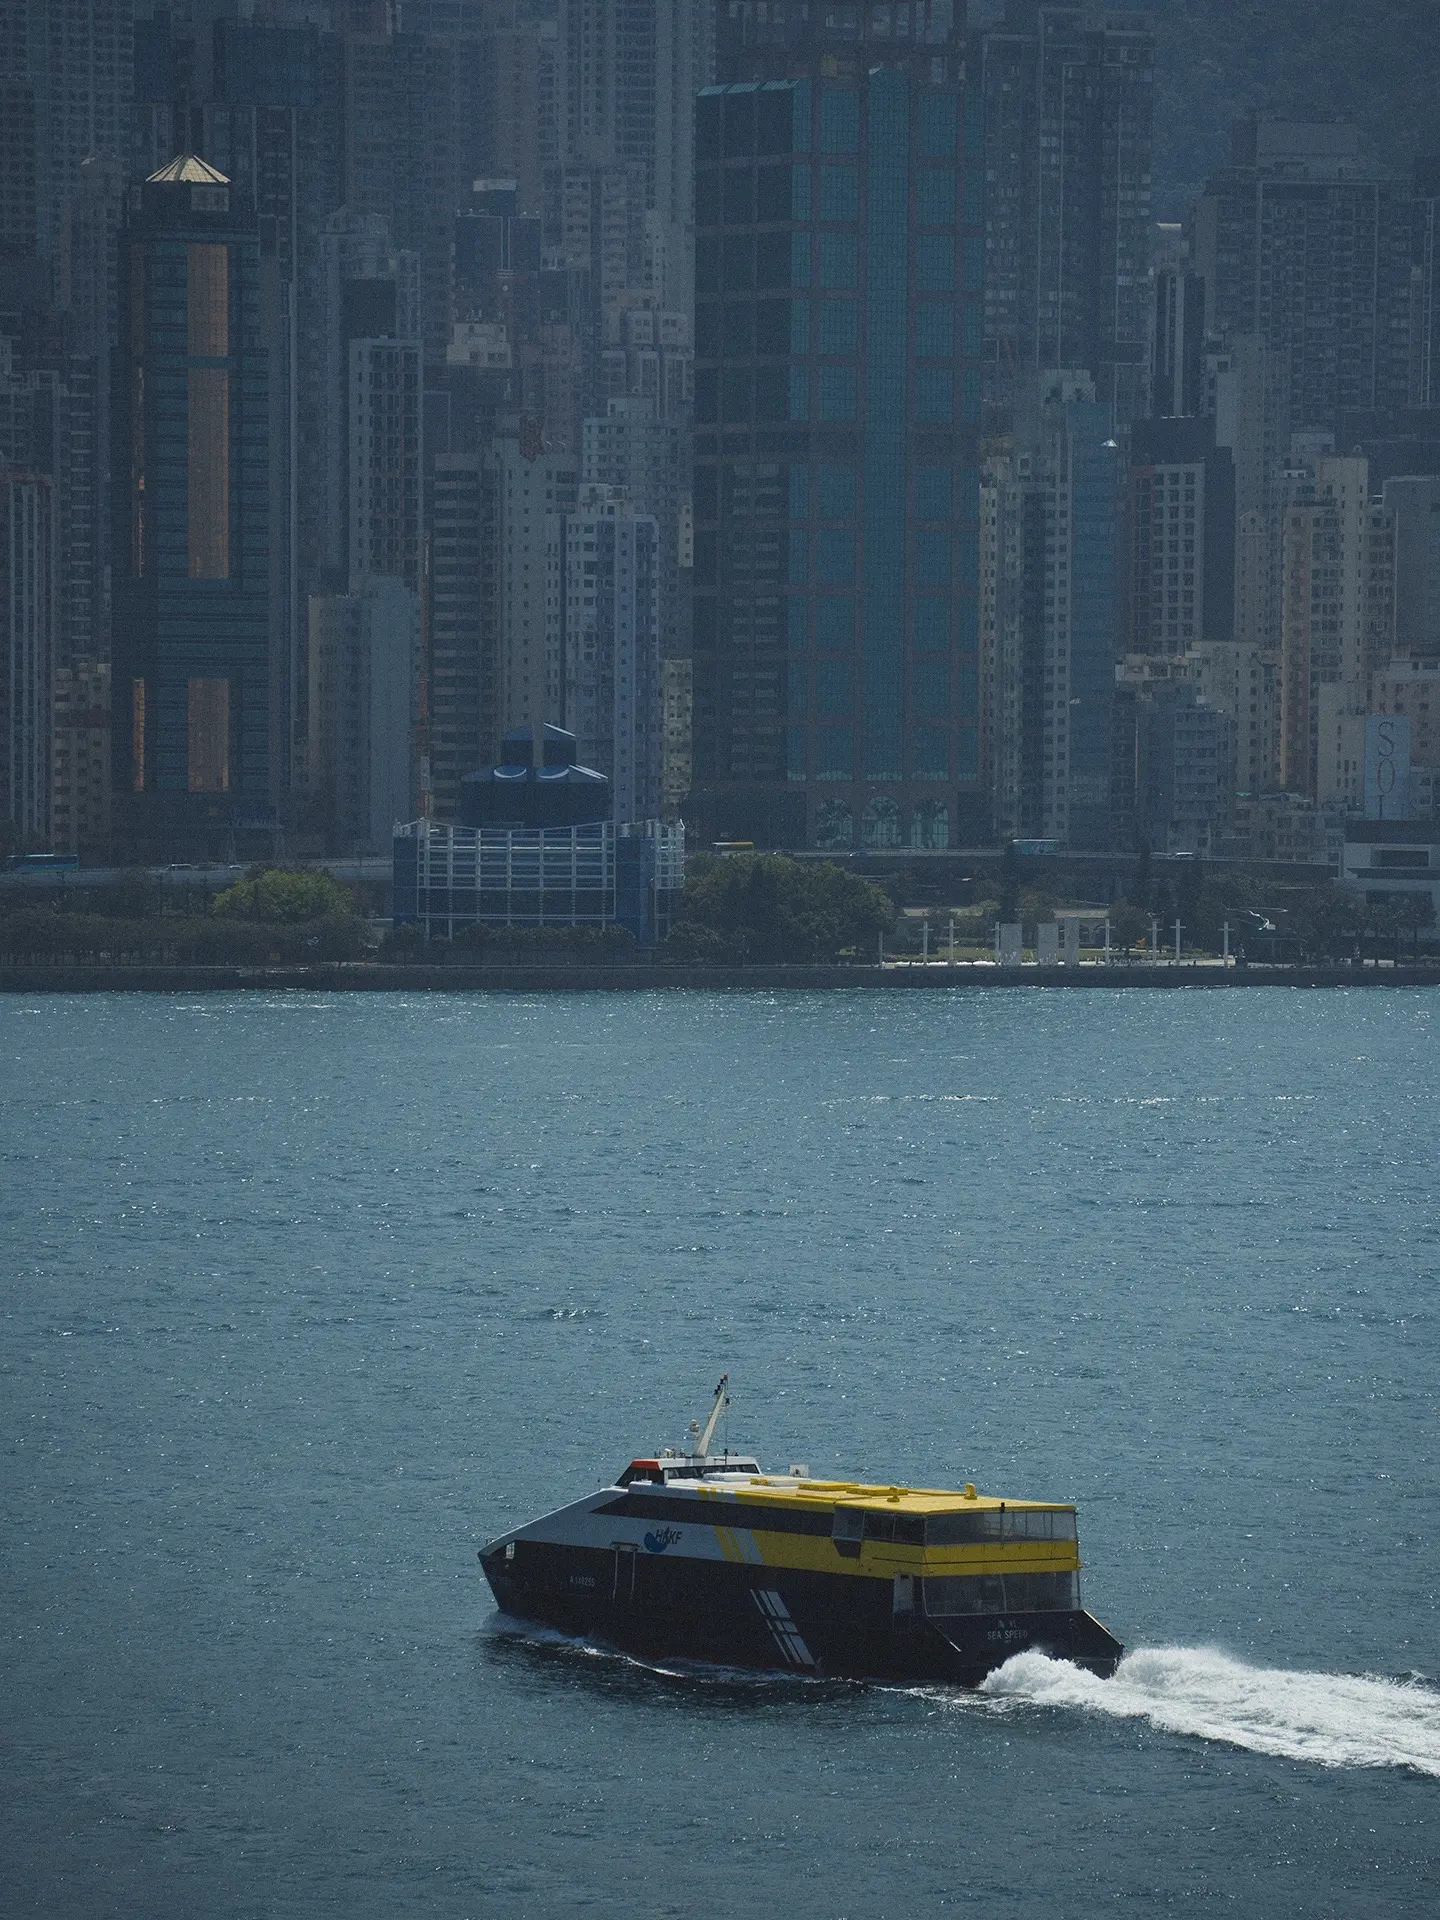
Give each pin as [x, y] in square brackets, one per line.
[722, 1400]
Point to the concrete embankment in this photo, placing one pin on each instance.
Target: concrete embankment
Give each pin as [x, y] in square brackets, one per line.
[362, 977]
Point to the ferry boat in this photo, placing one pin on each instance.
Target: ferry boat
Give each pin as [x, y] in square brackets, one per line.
[702, 1556]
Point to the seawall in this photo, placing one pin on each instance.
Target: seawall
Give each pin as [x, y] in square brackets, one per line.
[365, 977]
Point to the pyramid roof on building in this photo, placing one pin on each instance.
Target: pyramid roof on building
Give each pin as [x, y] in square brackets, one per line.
[191, 170]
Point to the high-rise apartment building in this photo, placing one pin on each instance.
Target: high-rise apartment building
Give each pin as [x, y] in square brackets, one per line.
[1068, 107]
[1248, 392]
[629, 71]
[191, 690]
[19, 230]
[86, 284]
[1051, 614]
[66, 86]
[648, 458]
[367, 514]
[1183, 768]
[28, 557]
[1177, 344]
[839, 288]
[518, 75]
[1411, 689]
[1414, 504]
[611, 641]
[1425, 284]
[677, 734]
[1243, 682]
[405, 151]
[385, 414]
[1338, 609]
[535, 490]
[463, 669]
[80, 777]
[1306, 244]
[1182, 536]
[1012, 640]
[35, 411]
[363, 651]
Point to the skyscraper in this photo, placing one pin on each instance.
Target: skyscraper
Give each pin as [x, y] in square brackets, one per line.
[535, 489]
[191, 669]
[1068, 105]
[612, 646]
[464, 640]
[1304, 242]
[1338, 611]
[839, 286]
[27, 649]
[629, 71]
[1177, 346]
[369, 507]
[1182, 536]
[67, 89]
[404, 155]
[1414, 503]
[1052, 615]
[362, 657]
[1425, 283]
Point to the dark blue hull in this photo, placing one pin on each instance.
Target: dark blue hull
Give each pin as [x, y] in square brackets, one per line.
[842, 1626]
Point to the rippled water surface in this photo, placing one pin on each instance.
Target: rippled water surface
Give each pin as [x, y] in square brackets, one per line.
[301, 1299]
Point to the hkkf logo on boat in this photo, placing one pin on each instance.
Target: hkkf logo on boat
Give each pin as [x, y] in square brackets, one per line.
[660, 1538]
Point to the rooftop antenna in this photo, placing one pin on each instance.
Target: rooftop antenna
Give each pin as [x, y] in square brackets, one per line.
[700, 1442]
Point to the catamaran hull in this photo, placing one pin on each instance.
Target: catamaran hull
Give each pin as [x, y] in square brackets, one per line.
[845, 1626]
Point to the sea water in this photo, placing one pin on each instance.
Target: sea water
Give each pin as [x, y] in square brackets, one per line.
[305, 1297]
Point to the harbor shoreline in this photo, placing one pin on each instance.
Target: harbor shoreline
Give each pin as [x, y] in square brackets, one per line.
[378, 977]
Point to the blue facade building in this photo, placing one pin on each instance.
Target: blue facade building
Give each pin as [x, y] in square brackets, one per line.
[839, 325]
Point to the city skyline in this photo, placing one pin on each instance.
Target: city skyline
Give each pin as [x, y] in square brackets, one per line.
[486, 258]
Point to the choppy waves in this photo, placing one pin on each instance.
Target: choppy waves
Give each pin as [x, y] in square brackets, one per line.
[1331, 1720]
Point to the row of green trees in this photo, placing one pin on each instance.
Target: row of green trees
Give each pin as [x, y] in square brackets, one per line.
[745, 909]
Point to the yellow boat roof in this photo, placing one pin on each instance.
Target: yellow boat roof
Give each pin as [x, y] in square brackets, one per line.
[838, 1493]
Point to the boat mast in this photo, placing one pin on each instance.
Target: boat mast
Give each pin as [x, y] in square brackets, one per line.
[701, 1447]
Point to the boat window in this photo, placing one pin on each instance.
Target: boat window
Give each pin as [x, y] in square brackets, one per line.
[998, 1523]
[849, 1524]
[994, 1593]
[961, 1529]
[1041, 1592]
[903, 1528]
[968, 1593]
[717, 1513]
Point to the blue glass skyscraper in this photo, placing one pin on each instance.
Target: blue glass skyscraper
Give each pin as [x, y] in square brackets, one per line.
[839, 288]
